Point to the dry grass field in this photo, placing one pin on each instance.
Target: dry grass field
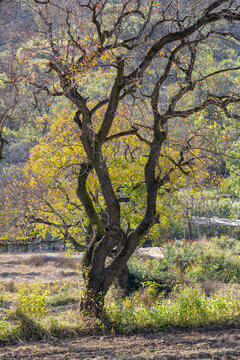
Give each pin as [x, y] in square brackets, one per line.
[45, 267]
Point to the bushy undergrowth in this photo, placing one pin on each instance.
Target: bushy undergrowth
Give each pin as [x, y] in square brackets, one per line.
[31, 320]
[164, 293]
[187, 306]
[144, 309]
[31, 302]
[160, 272]
[199, 261]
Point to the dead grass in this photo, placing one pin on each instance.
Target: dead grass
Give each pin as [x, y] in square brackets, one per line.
[36, 260]
[41, 268]
[62, 262]
[10, 286]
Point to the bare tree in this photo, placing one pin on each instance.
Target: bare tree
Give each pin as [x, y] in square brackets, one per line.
[9, 98]
[143, 47]
[15, 24]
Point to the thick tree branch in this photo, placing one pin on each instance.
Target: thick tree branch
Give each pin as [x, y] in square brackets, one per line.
[86, 200]
[113, 103]
[121, 134]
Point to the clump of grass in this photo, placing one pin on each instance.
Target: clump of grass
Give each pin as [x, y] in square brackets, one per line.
[24, 322]
[10, 287]
[29, 328]
[62, 261]
[36, 260]
[213, 263]
[3, 302]
[187, 306]
[7, 331]
[63, 328]
[66, 262]
[62, 297]
[71, 323]
[227, 243]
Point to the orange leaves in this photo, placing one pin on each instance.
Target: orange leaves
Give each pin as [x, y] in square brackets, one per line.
[226, 137]
[162, 53]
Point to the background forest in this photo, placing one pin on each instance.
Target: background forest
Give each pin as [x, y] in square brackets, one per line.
[41, 151]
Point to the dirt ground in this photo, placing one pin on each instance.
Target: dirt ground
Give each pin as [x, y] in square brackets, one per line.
[221, 344]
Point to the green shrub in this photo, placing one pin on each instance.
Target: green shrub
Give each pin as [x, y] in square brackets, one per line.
[226, 243]
[217, 264]
[157, 271]
[8, 331]
[4, 330]
[62, 297]
[31, 302]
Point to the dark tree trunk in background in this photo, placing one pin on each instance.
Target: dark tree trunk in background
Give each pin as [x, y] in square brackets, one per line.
[122, 280]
